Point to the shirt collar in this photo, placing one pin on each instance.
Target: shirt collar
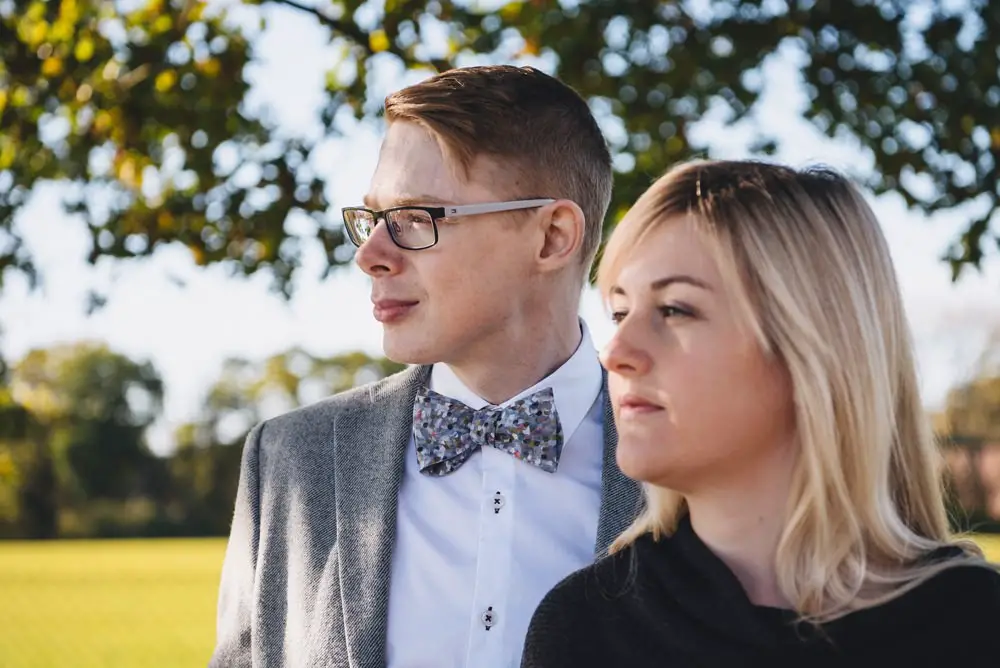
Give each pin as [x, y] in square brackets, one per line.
[576, 385]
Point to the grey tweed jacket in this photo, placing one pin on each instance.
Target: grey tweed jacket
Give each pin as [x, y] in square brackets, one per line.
[305, 579]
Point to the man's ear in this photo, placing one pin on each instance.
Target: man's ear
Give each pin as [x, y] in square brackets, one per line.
[563, 229]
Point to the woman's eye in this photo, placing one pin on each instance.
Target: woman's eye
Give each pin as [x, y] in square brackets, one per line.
[618, 316]
[672, 311]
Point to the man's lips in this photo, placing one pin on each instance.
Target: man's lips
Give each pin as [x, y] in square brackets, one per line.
[388, 310]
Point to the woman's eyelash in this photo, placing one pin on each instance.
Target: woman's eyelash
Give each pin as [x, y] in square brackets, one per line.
[671, 310]
[667, 311]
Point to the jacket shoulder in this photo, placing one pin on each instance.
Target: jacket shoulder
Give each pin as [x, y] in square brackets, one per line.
[311, 429]
[321, 414]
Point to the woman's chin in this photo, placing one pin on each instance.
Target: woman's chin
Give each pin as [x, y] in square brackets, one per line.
[638, 460]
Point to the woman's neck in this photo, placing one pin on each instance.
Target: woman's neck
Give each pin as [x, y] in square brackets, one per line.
[742, 525]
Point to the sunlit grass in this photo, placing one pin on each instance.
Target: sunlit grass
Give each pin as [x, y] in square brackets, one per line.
[122, 604]
[108, 604]
[991, 546]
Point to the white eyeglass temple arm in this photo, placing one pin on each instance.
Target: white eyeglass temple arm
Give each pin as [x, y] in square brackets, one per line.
[474, 209]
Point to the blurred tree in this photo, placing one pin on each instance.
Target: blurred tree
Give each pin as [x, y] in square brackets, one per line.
[142, 105]
[973, 410]
[143, 110]
[17, 499]
[248, 392]
[13, 416]
[89, 410]
[78, 464]
[969, 428]
[205, 466]
[204, 476]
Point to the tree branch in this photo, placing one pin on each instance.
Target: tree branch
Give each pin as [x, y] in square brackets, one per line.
[345, 28]
[359, 36]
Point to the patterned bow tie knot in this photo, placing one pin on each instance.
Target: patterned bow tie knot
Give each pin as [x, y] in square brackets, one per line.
[447, 432]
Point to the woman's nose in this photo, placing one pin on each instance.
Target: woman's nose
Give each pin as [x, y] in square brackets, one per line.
[624, 354]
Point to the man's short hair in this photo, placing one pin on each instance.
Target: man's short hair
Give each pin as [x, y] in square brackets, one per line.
[525, 118]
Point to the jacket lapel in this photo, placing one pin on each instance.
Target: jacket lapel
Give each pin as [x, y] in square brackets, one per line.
[621, 497]
[371, 440]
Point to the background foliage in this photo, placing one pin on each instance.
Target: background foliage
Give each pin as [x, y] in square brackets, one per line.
[79, 465]
[142, 112]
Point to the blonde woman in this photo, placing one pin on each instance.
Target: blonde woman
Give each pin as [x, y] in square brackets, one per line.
[764, 389]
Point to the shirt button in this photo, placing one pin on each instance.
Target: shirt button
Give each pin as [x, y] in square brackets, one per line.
[498, 502]
[489, 618]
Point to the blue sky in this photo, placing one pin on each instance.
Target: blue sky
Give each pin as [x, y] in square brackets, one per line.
[187, 331]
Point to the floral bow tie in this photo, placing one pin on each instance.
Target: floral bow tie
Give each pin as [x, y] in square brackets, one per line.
[447, 432]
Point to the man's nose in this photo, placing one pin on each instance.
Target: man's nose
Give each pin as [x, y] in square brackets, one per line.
[379, 255]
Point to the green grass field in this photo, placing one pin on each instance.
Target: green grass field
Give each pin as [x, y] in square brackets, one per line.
[991, 546]
[108, 604]
[120, 604]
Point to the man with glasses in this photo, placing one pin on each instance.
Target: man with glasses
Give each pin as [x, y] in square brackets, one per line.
[418, 521]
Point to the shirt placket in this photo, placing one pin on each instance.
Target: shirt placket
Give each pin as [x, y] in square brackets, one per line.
[487, 623]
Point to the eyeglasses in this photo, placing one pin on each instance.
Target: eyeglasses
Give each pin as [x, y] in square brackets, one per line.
[415, 227]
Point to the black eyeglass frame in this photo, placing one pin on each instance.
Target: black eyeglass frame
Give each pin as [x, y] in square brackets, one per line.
[436, 213]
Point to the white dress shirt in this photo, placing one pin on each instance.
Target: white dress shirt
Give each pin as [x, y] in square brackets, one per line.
[477, 549]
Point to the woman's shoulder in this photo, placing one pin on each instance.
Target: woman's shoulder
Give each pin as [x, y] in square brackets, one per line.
[596, 584]
[956, 601]
[567, 626]
[976, 585]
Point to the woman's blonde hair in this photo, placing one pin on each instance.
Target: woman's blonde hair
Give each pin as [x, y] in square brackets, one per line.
[813, 277]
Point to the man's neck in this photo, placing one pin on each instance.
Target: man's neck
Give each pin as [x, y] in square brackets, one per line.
[520, 359]
[742, 524]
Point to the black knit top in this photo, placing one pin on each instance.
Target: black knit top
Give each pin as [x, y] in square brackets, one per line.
[674, 604]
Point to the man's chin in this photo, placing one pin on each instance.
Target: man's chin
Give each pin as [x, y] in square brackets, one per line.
[404, 350]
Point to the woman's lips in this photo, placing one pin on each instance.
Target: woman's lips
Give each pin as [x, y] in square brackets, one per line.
[633, 405]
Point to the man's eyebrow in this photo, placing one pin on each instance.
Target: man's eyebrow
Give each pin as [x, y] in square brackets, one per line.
[405, 200]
